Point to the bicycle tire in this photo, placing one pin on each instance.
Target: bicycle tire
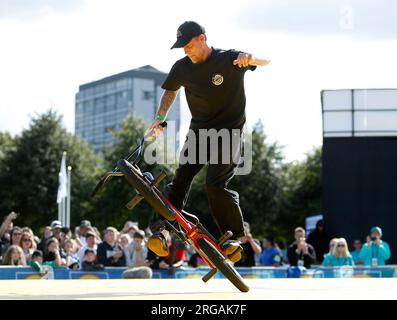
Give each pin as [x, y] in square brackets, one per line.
[222, 264]
[134, 179]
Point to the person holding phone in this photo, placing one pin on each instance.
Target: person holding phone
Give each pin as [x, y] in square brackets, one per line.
[6, 229]
[376, 251]
[300, 253]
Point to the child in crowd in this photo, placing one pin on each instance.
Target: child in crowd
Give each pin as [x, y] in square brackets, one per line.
[36, 263]
[89, 261]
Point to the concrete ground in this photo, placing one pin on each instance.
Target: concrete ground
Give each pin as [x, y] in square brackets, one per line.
[195, 289]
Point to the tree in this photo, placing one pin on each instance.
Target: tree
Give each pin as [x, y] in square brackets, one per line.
[29, 179]
[302, 191]
[7, 143]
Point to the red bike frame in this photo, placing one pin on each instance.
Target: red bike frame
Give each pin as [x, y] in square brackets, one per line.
[192, 231]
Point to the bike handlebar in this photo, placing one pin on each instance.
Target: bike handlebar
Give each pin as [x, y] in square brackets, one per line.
[139, 149]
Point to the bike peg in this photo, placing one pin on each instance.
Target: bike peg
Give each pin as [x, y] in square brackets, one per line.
[209, 275]
[226, 236]
[134, 201]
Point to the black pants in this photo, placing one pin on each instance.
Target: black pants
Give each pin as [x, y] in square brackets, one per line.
[224, 203]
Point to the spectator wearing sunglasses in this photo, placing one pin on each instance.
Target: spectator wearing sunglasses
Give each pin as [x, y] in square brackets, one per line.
[338, 255]
[27, 245]
[16, 236]
[26, 231]
[14, 239]
[5, 232]
[342, 256]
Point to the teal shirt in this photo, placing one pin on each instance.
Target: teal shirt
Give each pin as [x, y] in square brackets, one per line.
[327, 260]
[355, 255]
[331, 261]
[382, 253]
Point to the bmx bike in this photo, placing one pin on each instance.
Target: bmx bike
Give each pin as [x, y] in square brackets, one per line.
[189, 231]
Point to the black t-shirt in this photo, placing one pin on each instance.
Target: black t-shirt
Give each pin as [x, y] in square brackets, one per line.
[105, 254]
[214, 90]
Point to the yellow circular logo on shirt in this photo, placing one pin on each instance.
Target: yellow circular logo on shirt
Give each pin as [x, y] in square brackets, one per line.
[217, 79]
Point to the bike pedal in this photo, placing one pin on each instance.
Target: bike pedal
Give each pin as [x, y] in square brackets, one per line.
[158, 226]
[158, 179]
[236, 252]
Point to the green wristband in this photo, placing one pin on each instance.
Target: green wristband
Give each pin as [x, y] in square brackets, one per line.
[160, 118]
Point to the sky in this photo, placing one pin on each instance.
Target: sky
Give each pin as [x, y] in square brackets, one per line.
[50, 47]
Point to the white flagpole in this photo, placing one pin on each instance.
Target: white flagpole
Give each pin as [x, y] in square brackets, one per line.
[68, 197]
[59, 204]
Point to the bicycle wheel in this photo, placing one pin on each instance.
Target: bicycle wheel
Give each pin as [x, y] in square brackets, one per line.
[134, 179]
[223, 265]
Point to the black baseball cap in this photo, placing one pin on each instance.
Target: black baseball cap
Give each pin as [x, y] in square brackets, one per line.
[186, 32]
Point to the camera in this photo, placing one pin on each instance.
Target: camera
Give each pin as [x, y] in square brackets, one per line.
[373, 238]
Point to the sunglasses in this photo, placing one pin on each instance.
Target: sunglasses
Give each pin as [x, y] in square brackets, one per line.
[17, 234]
[340, 245]
[27, 240]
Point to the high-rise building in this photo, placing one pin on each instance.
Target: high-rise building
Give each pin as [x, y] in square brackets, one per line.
[102, 105]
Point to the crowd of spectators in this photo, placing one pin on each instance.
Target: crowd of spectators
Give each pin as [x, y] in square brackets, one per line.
[90, 250]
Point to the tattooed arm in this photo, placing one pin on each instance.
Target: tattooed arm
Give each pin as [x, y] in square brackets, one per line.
[166, 101]
[165, 105]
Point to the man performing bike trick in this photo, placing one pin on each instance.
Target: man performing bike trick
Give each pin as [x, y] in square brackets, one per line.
[214, 86]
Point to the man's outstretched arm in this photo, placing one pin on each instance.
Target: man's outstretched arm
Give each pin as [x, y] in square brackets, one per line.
[245, 59]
